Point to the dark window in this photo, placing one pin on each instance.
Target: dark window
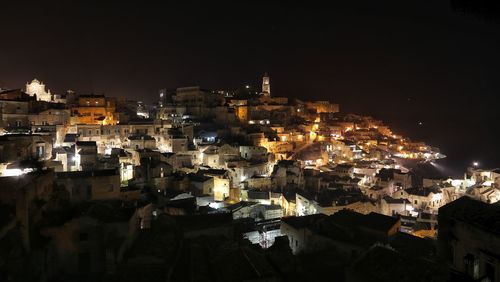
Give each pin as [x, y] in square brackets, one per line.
[84, 262]
[489, 270]
[84, 237]
[89, 192]
[451, 254]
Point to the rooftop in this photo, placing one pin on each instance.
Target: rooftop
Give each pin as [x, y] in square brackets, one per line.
[93, 173]
[476, 213]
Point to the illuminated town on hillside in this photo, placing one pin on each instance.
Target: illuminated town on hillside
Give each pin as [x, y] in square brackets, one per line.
[215, 141]
[275, 168]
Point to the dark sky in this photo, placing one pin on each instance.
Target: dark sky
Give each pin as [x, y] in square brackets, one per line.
[402, 61]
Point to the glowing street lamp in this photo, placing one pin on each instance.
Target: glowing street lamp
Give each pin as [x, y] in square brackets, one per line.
[475, 164]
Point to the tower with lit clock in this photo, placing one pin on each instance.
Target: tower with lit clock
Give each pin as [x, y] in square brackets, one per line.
[266, 86]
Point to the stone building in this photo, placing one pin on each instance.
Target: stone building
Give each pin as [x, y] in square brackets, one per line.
[37, 88]
[90, 185]
[94, 109]
[469, 238]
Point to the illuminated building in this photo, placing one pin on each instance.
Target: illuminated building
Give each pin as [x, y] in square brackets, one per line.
[38, 88]
[94, 109]
[50, 117]
[142, 110]
[266, 86]
[241, 110]
[323, 107]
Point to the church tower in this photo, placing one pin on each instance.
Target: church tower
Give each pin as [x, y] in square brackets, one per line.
[266, 86]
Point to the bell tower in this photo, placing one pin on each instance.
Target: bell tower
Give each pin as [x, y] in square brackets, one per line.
[266, 86]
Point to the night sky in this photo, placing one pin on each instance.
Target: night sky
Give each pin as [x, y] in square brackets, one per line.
[402, 61]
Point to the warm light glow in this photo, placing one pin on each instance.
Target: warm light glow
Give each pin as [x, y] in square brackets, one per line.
[437, 197]
[12, 172]
[16, 171]
[312, 135]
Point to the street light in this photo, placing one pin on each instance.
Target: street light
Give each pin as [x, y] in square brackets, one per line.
[475, 164]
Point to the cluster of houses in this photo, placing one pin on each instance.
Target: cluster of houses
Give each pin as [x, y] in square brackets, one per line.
[87, 180]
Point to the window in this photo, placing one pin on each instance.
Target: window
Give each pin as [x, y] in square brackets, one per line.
[451, 254]
[89, 192]
[416, 202]
[84, 262]
[40, 151]
[489, 270]
[84, 237]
